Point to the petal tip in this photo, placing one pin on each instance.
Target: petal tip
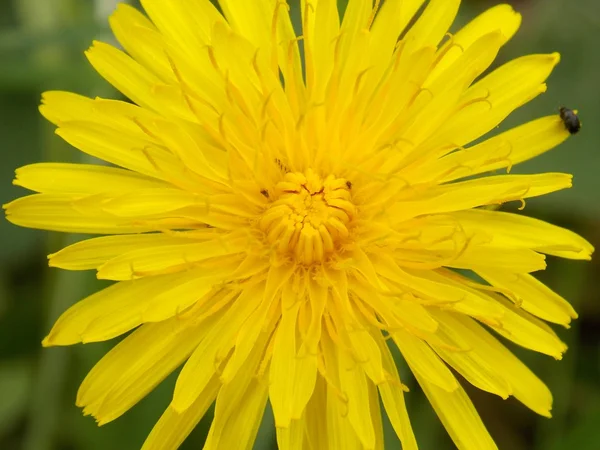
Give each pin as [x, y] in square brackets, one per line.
[94, 48]
[179, 405]
[101, 422]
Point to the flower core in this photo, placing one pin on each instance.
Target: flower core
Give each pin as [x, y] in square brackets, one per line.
[309, 217]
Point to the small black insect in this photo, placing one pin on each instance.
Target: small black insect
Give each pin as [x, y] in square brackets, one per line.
[570, 120]
[349, 184]
[265, 193]
[281, 166]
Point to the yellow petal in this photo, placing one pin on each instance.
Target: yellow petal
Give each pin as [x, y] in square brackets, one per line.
[432, 25]
[434, 99]
[245, 414]
[426, 116]
[135, 366]
[356, 16]
[413, 316]
[326, 30]
[424, 362]
[399, 313]
[125, 74]
[531, 70]
[354, 23]
[127, 151]
[92, 253]
[140, 38]
[123, 306]
[253, 328]
[315, 423]
[267, 24]
[246, 339]
[240, 405]
[351, 63]
[515, 230]
[251, 19]
[185, 29]
[504, 150]
[237, 57]
[366, 351]
[149, 202]
[459, 417]
[389, 24]
[430, 286]
[59, 212]
[308, 14]
[292, 436]
[392, 396]
[446, 89]
[501, 17]
[207, 357]
[173, 427]
[117, 118]
[525, 385]
[478, 192]
[318, 297]
[148, 261]
[64, 178]
[292, 376]
[472, 62]
[188, 23]
[533, 296]
[340, 432]
[490, 100]
[375, 409]
[195, 148]
[470, 363]
[201, 292]
[355, 385]
[485, 256]
[60, 107]
[398, 90]
[363, 264]
[525, 330]
[277, 278]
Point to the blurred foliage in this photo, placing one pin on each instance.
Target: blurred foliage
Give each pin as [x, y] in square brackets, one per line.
[41, 47]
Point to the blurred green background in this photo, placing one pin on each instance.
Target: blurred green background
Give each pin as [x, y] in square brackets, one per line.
[41, 48]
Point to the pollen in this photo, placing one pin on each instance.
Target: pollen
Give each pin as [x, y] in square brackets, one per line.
[310, 217]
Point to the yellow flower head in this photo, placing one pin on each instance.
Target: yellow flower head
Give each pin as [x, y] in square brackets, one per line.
[284, 207]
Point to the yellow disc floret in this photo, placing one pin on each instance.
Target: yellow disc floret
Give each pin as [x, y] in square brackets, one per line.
[309, 217]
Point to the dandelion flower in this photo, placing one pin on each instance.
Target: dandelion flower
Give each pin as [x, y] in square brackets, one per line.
[279, 210]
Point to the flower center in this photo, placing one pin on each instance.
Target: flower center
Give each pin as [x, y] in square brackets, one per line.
[309, 216]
